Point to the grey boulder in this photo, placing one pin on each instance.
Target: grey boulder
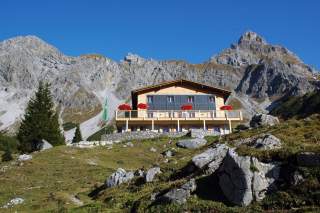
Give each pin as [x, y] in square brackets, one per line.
[180, 195]
[268, 142]
[192, 143]
[151, 173]
[119, 177]
[263, 120]
[244, 179]
[211, 158]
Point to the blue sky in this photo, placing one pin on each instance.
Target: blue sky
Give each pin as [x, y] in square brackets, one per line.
[163, 29]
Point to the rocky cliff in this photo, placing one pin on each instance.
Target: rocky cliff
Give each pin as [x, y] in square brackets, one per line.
[258, 73]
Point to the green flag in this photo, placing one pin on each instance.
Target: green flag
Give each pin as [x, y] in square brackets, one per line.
[105, 111]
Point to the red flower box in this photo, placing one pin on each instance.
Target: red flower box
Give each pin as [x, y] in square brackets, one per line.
[186, 107]
[226, 107]
[124, 107]
[142, 106]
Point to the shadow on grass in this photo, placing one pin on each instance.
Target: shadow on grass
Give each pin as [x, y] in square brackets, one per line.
[95, 193]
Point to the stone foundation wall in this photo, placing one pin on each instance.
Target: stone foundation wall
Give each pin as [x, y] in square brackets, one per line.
[139, 135]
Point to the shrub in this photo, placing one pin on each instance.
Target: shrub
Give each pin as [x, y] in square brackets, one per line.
[8, 142]
[7, 155]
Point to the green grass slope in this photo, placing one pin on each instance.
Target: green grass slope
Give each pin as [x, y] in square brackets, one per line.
[53, 178]
[295, 106]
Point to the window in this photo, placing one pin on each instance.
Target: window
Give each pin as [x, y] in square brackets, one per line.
[170, 99]
[211, 99]
[150, 99]
[190, 99]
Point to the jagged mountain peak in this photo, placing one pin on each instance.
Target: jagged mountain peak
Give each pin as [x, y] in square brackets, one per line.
[30, 43]
[251, 37]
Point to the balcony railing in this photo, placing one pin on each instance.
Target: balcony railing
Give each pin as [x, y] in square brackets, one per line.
[177, 114]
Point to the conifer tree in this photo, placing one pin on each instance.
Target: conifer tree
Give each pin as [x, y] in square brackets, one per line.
[77, 135]
[40, 122]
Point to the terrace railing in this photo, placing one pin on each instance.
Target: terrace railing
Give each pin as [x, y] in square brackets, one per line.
[177, 114]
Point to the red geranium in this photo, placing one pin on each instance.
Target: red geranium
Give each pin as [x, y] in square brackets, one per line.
[226, 107]
[186, 107]
[143, 106]
[124, 107]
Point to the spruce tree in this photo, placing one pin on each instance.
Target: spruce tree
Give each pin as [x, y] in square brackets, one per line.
[77, 135]
[40, 122]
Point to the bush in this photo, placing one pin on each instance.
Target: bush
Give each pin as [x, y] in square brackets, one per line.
[69, 125]
[8, 142]
[7, 155]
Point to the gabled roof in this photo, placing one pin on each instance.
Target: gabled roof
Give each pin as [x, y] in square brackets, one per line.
[181, 82]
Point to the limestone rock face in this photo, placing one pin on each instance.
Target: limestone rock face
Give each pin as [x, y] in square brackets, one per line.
[244, 179]
[119, 177]
[192, 143]
[263, 120]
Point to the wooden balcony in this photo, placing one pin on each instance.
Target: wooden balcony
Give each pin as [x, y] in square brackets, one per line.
[167, 115]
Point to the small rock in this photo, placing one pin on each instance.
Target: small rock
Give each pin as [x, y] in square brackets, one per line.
[190, 185]
[139, 173]
[192, 143]
[119, 177]
[24, 157]
[129, 144]
[180, 195]
[296, 178]
[13, 202]
[153, 196]
[308, 159]
[168, 153]
[151, 173]
[45, 145]
[152, 149]
[263, 120]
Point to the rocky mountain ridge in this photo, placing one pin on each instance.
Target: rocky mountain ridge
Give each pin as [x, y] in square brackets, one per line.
[258, 74]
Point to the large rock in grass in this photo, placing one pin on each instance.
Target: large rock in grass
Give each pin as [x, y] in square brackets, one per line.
[263, 141]
[192, 143]
[267, 142]
[263, 120]
[211, 158]
[180, 195]
[151, 173]
[244, 179]
[119, 177]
